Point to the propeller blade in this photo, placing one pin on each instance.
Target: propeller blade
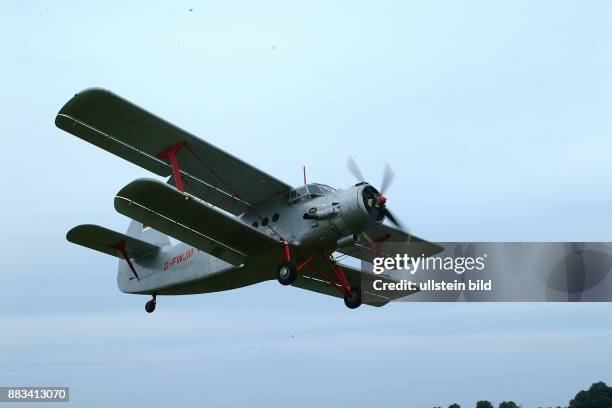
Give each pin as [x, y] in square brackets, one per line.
[391, 218]
[387, 179]
[354, 169]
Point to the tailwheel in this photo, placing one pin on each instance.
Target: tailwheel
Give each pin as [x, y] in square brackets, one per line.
[286, 273]
[352, 299]
[150, 305]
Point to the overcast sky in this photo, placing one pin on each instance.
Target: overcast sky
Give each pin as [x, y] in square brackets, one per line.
[495, 117]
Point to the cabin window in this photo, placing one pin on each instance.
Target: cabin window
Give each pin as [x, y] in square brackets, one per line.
[255, 224]
[275, 217]
[264, 222]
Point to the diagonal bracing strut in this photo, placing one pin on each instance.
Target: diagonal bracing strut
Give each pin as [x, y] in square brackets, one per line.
[121, 248]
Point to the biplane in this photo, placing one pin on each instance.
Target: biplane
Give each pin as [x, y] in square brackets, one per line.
[233, 225]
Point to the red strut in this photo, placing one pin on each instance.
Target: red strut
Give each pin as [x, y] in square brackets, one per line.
[340, 275]
[121, 248]
[287, 252]
[176, 170]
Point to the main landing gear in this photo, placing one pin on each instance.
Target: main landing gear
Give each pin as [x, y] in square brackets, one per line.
[150, 305]
[287, 274]
[352, 299]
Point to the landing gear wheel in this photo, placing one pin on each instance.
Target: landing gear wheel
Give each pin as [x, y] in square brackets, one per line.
[352, 300]
[286, 273]
[150, 305]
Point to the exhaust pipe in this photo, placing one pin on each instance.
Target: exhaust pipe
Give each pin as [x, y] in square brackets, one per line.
[324, 214]
[348, 240]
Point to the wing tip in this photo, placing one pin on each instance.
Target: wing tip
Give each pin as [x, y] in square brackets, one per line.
[83, 96]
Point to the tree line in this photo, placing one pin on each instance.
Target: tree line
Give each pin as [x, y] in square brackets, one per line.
[599, 395]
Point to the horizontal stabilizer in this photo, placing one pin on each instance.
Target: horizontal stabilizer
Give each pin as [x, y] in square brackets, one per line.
[108, 241]
[190, 220]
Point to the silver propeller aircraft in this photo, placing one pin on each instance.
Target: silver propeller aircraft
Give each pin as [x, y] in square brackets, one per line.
[237, 226]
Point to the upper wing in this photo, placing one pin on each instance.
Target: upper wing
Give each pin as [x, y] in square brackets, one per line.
[373, 240]
[122, 128]
[108, 241]
[192, 221]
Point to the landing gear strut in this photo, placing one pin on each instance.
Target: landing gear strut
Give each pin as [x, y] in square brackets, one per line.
[150, 305]
[286, 273]
[352, 295]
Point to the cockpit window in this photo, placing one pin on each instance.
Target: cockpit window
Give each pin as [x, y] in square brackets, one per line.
[326, 189]
[299, 194]
[308, 191]
[315, 189]
[320, 189]
[302, 191]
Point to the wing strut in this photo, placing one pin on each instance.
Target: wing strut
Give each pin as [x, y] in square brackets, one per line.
[121, 248]
[176, 170]
[236, 194]
[171, 153]
[340, 275]
[343, 284]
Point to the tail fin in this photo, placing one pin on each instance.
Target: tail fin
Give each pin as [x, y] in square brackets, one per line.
[147, 234]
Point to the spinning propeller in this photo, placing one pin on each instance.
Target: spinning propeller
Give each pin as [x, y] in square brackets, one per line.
[375, 200]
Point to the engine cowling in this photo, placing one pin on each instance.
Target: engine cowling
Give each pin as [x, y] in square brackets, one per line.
[340, 217]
